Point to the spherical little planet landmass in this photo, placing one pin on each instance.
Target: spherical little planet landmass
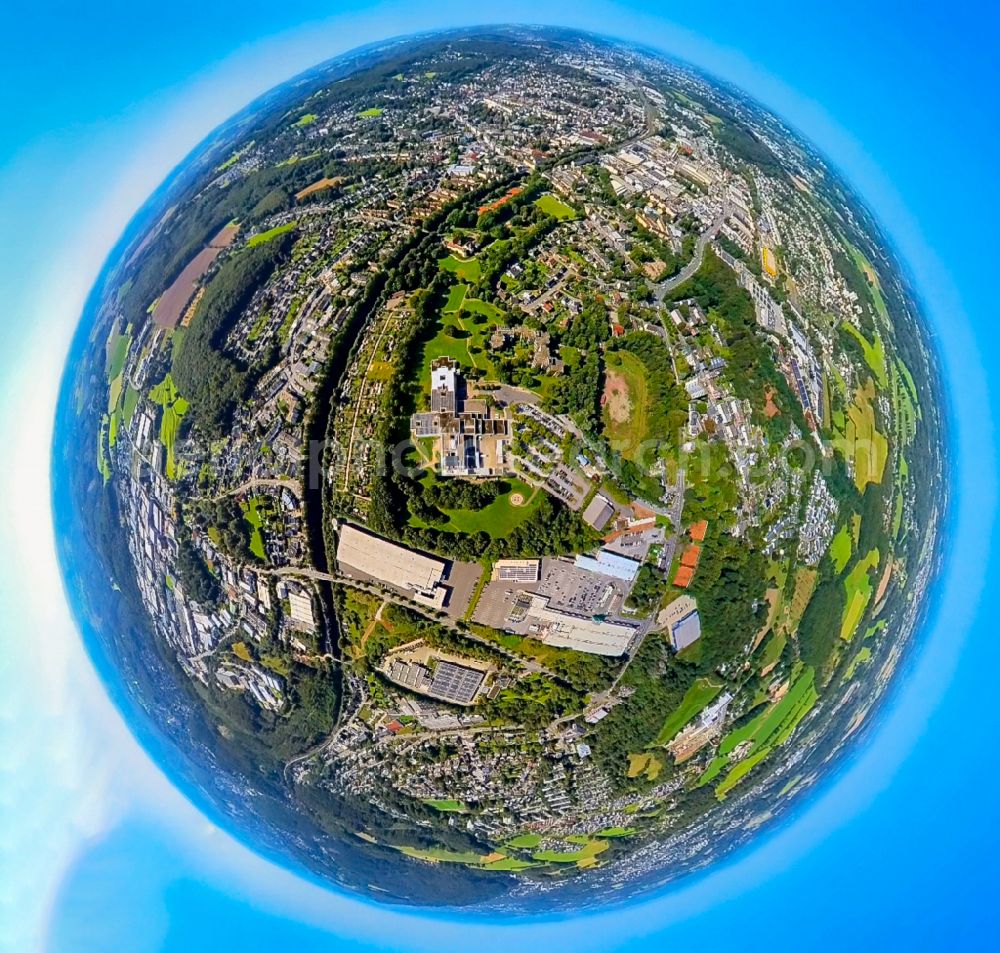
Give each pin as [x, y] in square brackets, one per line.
[500, 469]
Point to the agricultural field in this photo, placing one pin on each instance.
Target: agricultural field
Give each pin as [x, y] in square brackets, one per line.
[764, 733]
[860, 442]
[173, 408]
[859, 593]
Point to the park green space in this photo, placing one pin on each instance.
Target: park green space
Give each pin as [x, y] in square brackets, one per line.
[372, 112]
[465, 269]
[500, 517]
[252, 514]
[307, 120]
[464, 329]
[550, 205]
[697, 697]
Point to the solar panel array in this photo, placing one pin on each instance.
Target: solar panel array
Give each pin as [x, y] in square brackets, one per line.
[456, 683]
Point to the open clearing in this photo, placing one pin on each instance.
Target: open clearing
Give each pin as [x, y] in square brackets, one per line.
[626, 402]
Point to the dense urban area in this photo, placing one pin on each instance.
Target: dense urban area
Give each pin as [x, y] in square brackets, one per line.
[526, 449]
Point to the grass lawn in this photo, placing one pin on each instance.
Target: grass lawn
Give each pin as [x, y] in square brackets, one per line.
[261, 237]
[465, 269]
[456, 295]
[373, 112]
[695, 699]
[859, 593]
[307, 120]
[499, 518]
[251, 513]
[550, 205]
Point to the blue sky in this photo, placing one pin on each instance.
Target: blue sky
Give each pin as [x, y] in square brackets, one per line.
[99, 852]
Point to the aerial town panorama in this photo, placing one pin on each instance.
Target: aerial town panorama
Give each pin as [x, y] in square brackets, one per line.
[522, 454]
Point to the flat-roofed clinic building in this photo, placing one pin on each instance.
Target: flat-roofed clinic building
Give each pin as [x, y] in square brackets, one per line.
[517, 570]
[607, 563]
[444, 386]
[380, 559]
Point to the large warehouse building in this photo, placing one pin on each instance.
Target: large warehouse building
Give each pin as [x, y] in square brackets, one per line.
[365, 554]
[585, 634]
